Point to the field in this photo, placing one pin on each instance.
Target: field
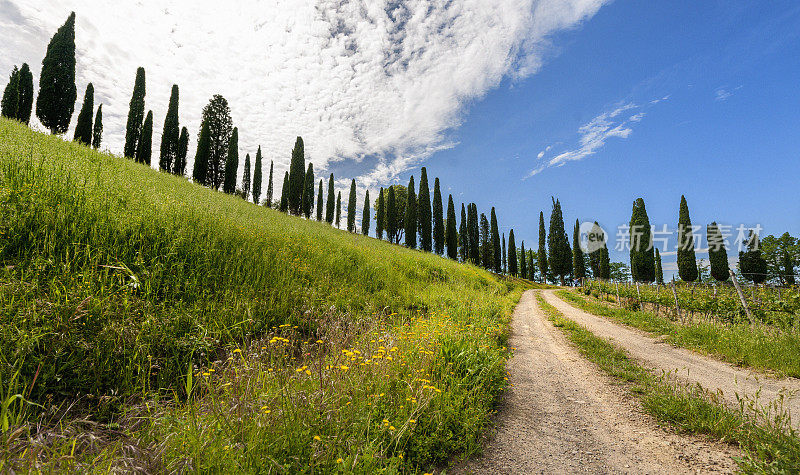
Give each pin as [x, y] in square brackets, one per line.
[150, 323]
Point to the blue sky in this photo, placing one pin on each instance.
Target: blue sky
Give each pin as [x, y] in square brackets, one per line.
[726, 136]
[509, 102]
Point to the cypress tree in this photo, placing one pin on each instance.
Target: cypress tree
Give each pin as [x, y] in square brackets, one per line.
[135, 115]
[451, 235]
[541, 255]
[380, 215]
[9, 106]
[284, 206]
[220, 125]
[365, 216]
[487, 252]
[331, 202]
[57, 91]
[463, 236]
[411, 216]
[687, 265]
[171, 134]
[232, 163]
[320, 203]
[202, 156]
[97, 130]
[183, 149]
[531, 267]
[258, 177]
[717, 255]
[246, 178]
[351, 208]
[391, 215]
[788, 269]
[438, 219]
[751, 263]
[270, 187]
[505, 261]
[83, 127]
[523, 264]
[560, 256]
[424, 212]
[339, 210]
[578, 266]
[297, 169]
[512, 254]
[659, 270]
[144, 148]
[473, 226]
[605, 263]
[643, 267]
[307, 197]
[497, 264]
[24, 94]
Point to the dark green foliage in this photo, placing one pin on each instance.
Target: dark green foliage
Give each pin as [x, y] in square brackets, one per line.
[246, 178]
[365, 216]
[202, 156]
[320, 202]
[351, 208]
[270, 186]
[258, 175]
[788, 269]
[752, 265]
[307, 197]
[578, 268]
[339, 210]
[398, 215]
[83, 127]
[523, 263]
[531, 266]
[717, 254]
[438, 220]
[411, 216]
[605, 263]
[9, 106]
[144, 148]
[497, 264]
[659, 269]
[217, 114]
[424, 213]
[451, 235]
[97, 130]
[512, 254]
[486, 243]
[391, 215]
[559, 257]
[505, 260]
[331, 202]
[380, 215]
[284, 203]
[135, 115]
[463, 235]
[232, 163]
[183, 148]
[57, 91]
[542, 253]
[25, 94]
[687, 265]
[473, 230]
[171, 135]
[297, 169]
[643, 267]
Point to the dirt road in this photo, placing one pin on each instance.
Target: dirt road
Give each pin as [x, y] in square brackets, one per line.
[563, 415]
[686, 365]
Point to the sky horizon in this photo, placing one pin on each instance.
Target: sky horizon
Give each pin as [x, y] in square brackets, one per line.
[593, 102]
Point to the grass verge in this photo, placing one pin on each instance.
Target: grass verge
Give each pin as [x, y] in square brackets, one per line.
[763, 433]
[758, 347]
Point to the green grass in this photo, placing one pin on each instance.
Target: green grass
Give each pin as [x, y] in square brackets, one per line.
[758, 347]
[124, 290]
[764, 434]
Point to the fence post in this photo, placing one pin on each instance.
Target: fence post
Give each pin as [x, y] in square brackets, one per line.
[639, 296]
[675, 295]
[741, 297]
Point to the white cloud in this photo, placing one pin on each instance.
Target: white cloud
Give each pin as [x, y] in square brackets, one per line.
[356, 79]
[723, 93]
[541, 154]
[594, 134]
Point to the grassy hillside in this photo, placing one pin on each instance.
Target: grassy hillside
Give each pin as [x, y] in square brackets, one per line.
[299, 346]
